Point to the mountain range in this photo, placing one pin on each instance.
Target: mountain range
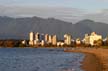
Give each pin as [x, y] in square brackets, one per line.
[19, 28]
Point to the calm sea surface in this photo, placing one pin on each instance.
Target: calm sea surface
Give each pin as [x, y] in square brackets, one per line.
[38, 59]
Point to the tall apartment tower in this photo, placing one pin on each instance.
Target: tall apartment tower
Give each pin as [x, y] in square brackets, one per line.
[31, 38]
[37, 36]
[86, 39]
[54, 40]
[46, 37]
[67, 39]
[36, 41]
[50, 39]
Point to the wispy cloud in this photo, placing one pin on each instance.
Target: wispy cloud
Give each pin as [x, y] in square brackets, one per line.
[56, 12]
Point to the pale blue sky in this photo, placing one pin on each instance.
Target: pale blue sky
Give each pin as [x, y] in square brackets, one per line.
[90, 5]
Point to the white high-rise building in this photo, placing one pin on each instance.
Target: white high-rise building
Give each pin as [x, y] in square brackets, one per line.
[37, 36]
[94, 37]
[31, 38]
[42, 43]
[46, 37]
[36, 41]
[54, 40]
[50, 39]
[67, 39]
[86, 39]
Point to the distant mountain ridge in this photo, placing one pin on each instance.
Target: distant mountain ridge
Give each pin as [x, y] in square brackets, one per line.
[19, 28]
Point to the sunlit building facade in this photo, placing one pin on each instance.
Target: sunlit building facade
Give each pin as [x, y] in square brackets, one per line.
[78, 41]
[90, 39]
[31, 38]
[36, 41]
[54, 40]
[94, 37]
[46, 38]
[86, 39]
[67, 39]
[50, 39]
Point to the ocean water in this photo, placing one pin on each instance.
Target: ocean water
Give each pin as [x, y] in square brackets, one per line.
[39, 59]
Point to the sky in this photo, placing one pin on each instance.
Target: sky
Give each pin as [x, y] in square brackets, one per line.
[61, 9]
[89, 5]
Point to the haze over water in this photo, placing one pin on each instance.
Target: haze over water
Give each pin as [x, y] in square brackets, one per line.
[39, 59]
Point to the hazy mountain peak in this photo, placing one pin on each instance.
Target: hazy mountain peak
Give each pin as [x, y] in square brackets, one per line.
[20, 27]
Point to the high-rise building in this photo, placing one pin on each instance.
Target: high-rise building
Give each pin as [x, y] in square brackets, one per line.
[42, 37]
[50, 39]
[42, 43]
[37, 36]
[86, 39]
[36, 41]
[31, 38]
[46, 37]
[54, 40]
[67, 39]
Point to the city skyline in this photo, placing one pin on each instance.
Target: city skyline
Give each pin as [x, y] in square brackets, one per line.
[38, 39]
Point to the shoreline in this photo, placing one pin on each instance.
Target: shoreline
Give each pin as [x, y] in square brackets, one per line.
[91, 63]
[95, 59]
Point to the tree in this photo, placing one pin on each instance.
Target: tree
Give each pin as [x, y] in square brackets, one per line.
[98, 43]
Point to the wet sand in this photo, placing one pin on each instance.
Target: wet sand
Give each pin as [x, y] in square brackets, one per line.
[95, 59]
[91, 63]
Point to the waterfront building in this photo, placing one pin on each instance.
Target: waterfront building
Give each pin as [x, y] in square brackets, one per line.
[105, 39]
[90, 39]
[36, 41]
[42, 43]
[60, 44]
[54, 40]
[46, 38]
[86, 39]
[37, 35]
[42, 37]
[50, 39]
[31, 38]
[67, 39]
[24, 42]
[94, 37]
[78, 42]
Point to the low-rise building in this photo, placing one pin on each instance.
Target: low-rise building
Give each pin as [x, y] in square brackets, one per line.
[78, 41]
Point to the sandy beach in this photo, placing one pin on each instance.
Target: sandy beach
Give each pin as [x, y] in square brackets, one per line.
[95, 59]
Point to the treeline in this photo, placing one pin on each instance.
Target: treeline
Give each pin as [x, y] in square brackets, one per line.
[11, 43]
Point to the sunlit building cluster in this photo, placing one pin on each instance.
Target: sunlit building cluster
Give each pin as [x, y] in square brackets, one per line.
[37, 39]
[67, 39]
[90, 39]
[42, 39]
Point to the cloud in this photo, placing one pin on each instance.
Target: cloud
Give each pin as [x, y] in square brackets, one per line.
[57, 12]
[100, 16]
[102, 0]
